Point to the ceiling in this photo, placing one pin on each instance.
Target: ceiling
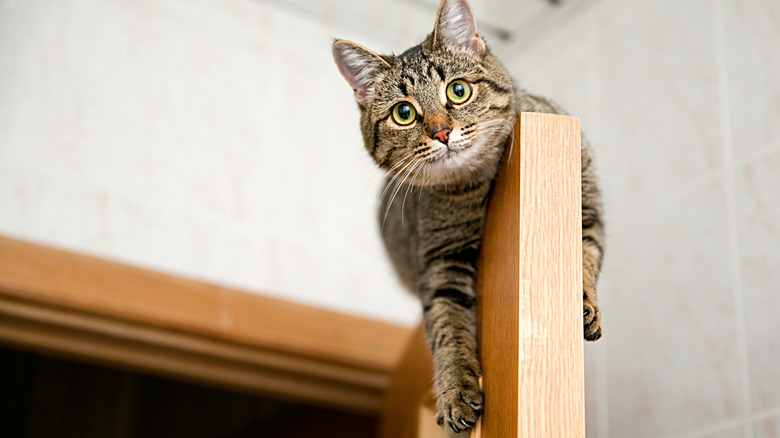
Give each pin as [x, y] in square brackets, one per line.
[501, 22]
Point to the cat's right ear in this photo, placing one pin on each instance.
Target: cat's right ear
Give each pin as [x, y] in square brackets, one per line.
[359, 66]
[456, 28]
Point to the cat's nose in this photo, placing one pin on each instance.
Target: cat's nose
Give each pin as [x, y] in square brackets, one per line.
[441, 133]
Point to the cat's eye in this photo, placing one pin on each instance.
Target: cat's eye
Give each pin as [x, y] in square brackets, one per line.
[404, 113]
[458, 91]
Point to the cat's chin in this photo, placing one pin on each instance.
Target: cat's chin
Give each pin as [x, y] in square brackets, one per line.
[454, 167]
[461, 164]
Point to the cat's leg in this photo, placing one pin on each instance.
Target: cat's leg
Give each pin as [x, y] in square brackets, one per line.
[590, 309]
[592, 245]
[448, 311]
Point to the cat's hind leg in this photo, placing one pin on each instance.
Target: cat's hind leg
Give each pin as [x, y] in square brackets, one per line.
[592, 253]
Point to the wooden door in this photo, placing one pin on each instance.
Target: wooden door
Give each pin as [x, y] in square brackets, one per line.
[529, 300]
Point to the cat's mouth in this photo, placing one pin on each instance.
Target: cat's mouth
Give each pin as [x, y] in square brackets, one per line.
[447, 158]
[461, 159]
[449, 151]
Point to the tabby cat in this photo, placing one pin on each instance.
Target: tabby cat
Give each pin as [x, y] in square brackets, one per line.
[436, 118]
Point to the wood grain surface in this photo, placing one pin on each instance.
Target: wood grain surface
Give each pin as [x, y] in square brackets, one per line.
[529, 286]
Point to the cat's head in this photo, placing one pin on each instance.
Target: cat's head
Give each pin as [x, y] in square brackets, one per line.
[439, 113]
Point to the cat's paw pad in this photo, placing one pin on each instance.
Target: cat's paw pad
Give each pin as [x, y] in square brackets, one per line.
[591, 319]
[460, 406]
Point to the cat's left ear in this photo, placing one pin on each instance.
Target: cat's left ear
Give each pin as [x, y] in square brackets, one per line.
[456, 29]
[359, 66]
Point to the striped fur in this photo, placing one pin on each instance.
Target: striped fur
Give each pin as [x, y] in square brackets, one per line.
[432, 208]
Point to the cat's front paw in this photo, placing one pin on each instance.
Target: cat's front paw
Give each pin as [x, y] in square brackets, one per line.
[460, 404]
[591, 318]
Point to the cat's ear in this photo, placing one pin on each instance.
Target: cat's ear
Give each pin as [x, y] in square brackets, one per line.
[359, 66]
[456, 29]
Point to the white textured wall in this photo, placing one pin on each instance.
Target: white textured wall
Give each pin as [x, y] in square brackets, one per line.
[681, 100]
[216, 140]
[213, 140]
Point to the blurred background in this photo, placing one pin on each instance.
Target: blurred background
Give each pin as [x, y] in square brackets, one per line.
[217, 141]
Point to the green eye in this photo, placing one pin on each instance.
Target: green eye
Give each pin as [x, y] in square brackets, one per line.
[458, 91]
[404, 113]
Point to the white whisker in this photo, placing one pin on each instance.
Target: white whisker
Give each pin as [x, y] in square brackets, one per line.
[416, 170]
[397, 187]
[390, 183]
[511, 145]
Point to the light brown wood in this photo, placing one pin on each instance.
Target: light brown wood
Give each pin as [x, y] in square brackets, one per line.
[80, 306]
[529, 297]
[426, 425]
[529, 286]
[410, 388]
[551, 401]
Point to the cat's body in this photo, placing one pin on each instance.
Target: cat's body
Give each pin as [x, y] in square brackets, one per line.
[437, 118]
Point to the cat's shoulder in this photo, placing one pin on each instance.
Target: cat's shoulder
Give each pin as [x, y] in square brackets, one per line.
[533, 103]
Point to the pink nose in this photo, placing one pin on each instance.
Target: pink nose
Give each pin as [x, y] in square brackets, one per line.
[442, 134]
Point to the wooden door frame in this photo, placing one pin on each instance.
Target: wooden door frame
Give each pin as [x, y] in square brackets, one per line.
[73, 305]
